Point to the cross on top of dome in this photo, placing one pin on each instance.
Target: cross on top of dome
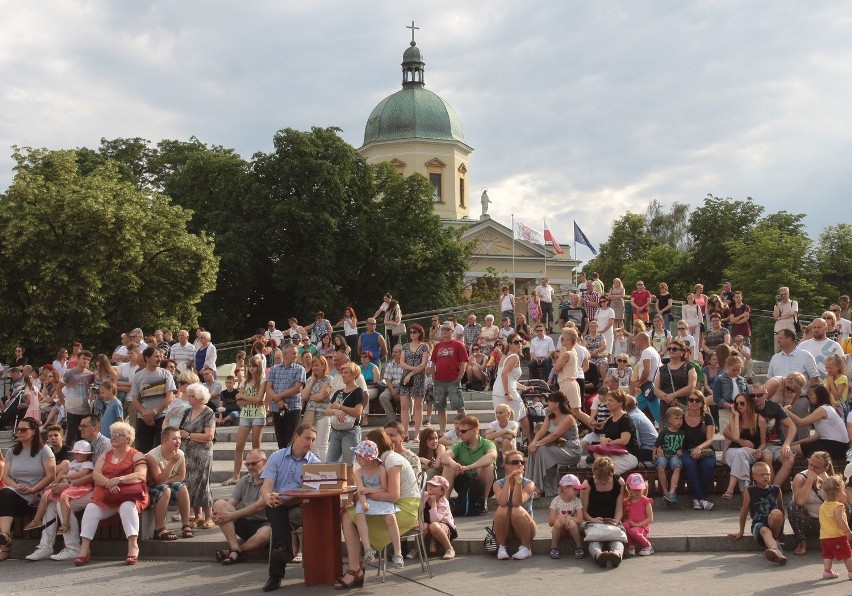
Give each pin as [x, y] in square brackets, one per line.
[412, 27]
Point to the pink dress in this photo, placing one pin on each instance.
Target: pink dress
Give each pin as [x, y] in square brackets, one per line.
[33, 408]
[636, 512]
[73, 492]
[535, 311]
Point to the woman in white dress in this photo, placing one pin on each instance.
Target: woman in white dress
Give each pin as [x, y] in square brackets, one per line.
[506, 387]
[606, 320]
[694, 317]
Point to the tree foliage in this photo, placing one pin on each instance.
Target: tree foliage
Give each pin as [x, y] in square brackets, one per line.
[85, 254]
[834, 257]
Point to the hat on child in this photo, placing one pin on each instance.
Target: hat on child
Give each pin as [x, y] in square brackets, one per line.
[440, 481]
[636, 482]
[572, 481]
[82, 447]
[366, 449]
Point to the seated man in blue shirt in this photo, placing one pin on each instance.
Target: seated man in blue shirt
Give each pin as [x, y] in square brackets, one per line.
[283, 472]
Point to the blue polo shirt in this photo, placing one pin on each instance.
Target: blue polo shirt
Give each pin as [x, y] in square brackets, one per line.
[286, 470]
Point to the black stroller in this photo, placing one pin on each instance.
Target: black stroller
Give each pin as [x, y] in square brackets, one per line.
[535, 415]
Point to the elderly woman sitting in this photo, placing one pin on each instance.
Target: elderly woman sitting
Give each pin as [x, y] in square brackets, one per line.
[514, 515]
[120, 488]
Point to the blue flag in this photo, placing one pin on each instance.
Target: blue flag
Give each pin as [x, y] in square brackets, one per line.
[580, 237]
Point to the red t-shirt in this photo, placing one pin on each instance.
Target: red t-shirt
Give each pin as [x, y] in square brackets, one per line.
[743, 329]
[641, 299]
[447, 357]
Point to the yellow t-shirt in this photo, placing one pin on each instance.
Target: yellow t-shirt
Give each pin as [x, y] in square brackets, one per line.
[841, 380]
[828, 526]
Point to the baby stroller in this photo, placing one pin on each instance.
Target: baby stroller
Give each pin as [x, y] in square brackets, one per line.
[536, 412]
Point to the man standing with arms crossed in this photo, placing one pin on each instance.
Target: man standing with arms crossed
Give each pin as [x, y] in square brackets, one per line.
[286, 381]
[449, 364]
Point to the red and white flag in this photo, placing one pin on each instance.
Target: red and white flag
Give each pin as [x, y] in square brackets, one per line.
[548, 237]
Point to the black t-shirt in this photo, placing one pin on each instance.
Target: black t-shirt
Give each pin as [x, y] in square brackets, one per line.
[663, 301]
[774, 415]
[63, 454]
[229, 400]
[612, 429]
[350, 400]
[695, 435]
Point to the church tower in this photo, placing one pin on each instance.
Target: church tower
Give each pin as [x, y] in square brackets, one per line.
[417, 131]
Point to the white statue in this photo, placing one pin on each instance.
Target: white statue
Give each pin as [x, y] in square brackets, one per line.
[485, 201]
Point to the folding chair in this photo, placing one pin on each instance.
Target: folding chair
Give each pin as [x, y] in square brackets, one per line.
[413, 534]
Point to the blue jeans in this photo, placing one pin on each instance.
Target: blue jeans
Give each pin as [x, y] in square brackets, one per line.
[652, 404]
[340, 443]
[699, 474]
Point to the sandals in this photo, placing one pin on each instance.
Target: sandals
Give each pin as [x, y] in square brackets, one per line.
[5, 539]
[222, 554]
[297, 558]
[34, 525]
[801, 548]
[5, 552]
[230, 482]
[62, 530]
[727, 495]
[82, 560]
[230, 559]
[207, 524]
[357, 581]
[188, 532]
[160, 534]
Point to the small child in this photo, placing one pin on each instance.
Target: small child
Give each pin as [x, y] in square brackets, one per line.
[113, 410]
[440, 525]
[667, 453]
[66, 472]
[763, 501]
[230, 411]
[536, 407]
[371, 477]
[504, 429]
[834, 532]
[638, 515]
[565, 516]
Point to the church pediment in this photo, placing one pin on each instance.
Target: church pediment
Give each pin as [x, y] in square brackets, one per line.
[435, 163]
[462, 169]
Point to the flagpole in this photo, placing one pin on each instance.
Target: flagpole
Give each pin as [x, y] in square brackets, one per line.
[514, 283]
[545, 247]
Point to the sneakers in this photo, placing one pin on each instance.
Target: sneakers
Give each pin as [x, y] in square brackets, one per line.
[829, 574]
[413, 553]
[502, 553]
[579, 553]
[450, 553]
[66, 554]
[649, 550]
[670, 498]
[775, 555]
[427, 421]
[398, 562]
[40, 553]
[696, 504]
[630, 551]
[554, 553]
[370, 555]
[706, 505]
[523, 553]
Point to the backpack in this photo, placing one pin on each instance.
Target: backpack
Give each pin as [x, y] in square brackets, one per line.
[470, 499]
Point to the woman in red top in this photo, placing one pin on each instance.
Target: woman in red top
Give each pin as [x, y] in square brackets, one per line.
[122, 465]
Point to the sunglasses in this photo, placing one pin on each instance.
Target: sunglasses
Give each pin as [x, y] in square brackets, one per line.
[623, 361]
[251, 464]
[682, 329]
[789, 388]
[464, 430]
[695, 400]
[118, 435]
[23, 429]
[516, 462]
[673, 349]
[739, 403]
[517, 342]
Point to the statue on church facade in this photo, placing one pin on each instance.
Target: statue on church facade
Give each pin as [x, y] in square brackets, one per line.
[485, 201]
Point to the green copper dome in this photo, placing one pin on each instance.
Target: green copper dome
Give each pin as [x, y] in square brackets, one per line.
[414, 111]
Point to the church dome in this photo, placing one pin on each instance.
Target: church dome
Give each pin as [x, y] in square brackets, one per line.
[413, 111]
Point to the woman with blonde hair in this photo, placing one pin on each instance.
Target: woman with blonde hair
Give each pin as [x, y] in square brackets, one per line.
[316, 396]
[122, 466]
[252, 413]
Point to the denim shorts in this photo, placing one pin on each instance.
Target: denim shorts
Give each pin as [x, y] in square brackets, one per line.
[668, 461]
[252, 421]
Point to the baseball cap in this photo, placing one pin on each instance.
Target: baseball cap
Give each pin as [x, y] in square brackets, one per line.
[82, 447]
[636, 482]
[440, 481]
[572, 481]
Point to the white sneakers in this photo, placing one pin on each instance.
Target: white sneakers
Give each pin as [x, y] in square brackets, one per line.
[702, 504]
[696, 504]
[66, 554]
[706, 505]
[523, 553]
[646, 551]
[40, 553]
[502, 553]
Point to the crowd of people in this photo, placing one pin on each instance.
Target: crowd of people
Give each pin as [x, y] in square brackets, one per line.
[140, 424]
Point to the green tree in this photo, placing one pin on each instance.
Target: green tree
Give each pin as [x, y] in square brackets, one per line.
[834, 258]
[86, 254]
[712, 226]
[670, 226]
[628, 242]
[662, 263]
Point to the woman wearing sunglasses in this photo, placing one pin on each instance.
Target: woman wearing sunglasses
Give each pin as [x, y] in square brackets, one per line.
[676, 379]
[746, 431]
[699, 459]
[30, 467]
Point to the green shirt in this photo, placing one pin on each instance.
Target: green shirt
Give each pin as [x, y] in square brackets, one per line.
[467, 456]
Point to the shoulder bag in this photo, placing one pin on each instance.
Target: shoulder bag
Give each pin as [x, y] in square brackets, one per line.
[348, 421]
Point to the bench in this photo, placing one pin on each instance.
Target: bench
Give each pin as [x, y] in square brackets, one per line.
[108, 529]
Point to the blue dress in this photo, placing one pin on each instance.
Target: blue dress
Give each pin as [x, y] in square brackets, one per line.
[376, 507]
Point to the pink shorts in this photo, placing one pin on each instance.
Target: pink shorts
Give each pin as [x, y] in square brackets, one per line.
[836, 548]
[73, 492]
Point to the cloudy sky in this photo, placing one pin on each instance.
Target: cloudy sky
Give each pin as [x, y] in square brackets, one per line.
[576, 110]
